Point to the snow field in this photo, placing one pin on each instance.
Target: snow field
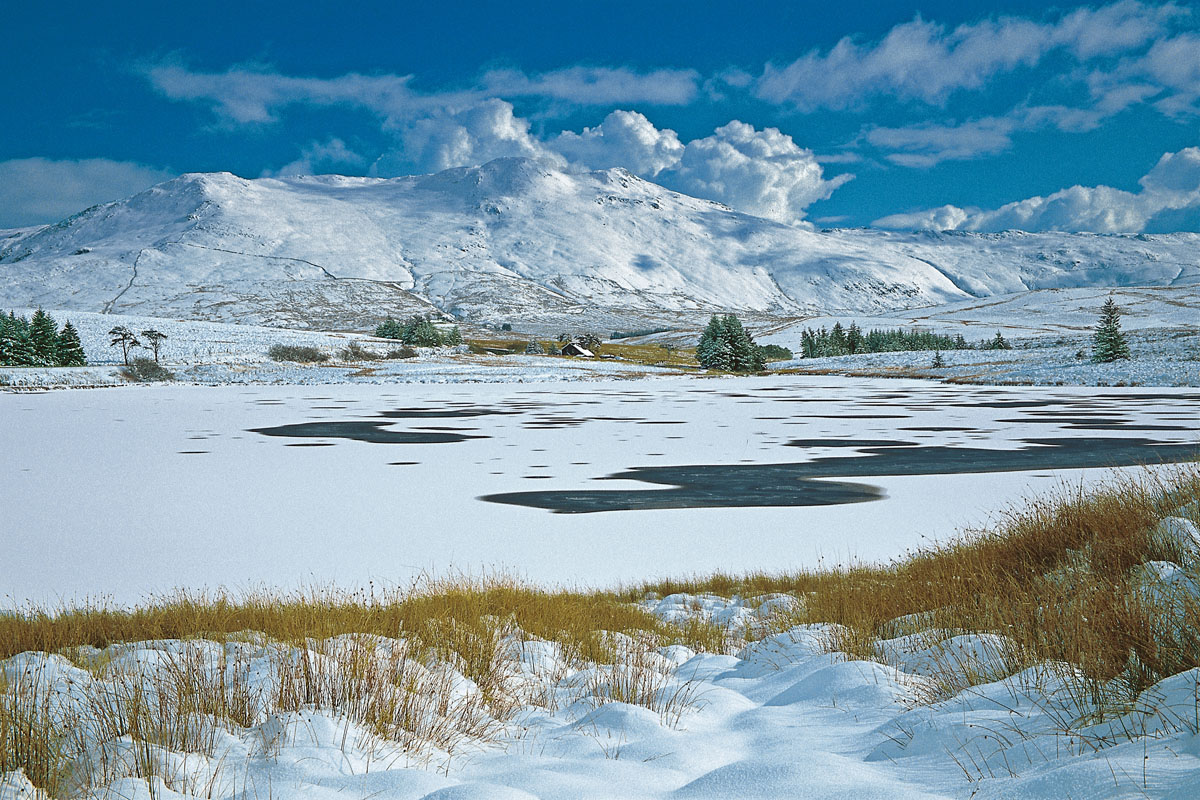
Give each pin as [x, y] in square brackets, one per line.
[213, 353]
[1161, 357]
[776, 713]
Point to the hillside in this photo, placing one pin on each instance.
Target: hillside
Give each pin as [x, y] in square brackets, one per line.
[515, 239]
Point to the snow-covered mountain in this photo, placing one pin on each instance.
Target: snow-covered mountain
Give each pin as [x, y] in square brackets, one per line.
[515, 239]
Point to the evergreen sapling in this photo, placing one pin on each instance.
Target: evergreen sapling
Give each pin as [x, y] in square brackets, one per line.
[1108, 343]
[70, 349]
[44, 335]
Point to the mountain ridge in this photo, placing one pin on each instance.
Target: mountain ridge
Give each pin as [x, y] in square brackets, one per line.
[519, 238]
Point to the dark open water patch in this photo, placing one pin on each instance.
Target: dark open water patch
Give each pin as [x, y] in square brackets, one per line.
[374, 432]
[1097, 424]
[850, 442]
[759, 485]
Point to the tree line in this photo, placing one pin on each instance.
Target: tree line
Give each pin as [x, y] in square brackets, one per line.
[418, 332]
[39, 342]
[848, 341]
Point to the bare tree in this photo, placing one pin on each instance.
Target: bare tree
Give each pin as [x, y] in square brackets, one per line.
[155, 338]
[126, 339]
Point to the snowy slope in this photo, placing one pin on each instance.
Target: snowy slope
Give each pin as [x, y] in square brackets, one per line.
[515, 238]
[782, 718]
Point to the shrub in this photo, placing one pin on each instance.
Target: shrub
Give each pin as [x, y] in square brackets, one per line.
[147, 370]
[356, 352]
[398, 353]
[303, 354]
[775, 352]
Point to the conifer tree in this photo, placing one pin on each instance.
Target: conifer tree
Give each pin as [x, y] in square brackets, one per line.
[725, 345]
[837, 340]
[854, 338]
[70, 349]
[998, 342]
[453, 337]
[390, 329]
[155, 338]
[709, 339]
[44, 335]
[1108, 343]
[7, 341]
[808, 347]
[23, 353]
[125, 338]
[424, 334]
[938, 361]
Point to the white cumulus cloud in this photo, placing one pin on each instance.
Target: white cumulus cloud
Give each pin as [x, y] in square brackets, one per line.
[1172, 185]
[464, 137]
[764, 173]
[39, 190]
[624, 139]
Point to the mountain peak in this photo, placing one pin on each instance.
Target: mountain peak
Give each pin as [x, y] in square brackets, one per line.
[520, 238]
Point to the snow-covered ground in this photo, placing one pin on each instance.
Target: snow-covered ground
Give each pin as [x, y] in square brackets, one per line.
[782, 718]
[1164, 337]
[128, 491]
[1160, 357]
[1021, 315]
[222, 353]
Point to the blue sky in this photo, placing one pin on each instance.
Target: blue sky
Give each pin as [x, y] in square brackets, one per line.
[947, 115]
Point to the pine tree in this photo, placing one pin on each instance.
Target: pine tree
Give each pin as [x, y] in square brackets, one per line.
[725, 345]
[70, 349]
[854, 338]
[741, 346]
[7, 341]
[453, 337]
[44, 335]
[837, 340]
[709, 339]
[389, 329]
[425, 335]
[1108, 343]
[998, 342]
[23, 352]
[124, 337]
[808, 348]
[155, 338]
[938, 361]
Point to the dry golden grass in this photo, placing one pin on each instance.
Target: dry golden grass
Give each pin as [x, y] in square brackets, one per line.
[31, 739]
[648, 354]
[446, 616]
[1058, 578]
[1054, 577]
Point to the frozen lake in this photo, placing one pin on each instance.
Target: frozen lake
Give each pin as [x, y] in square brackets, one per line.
[131, 491]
